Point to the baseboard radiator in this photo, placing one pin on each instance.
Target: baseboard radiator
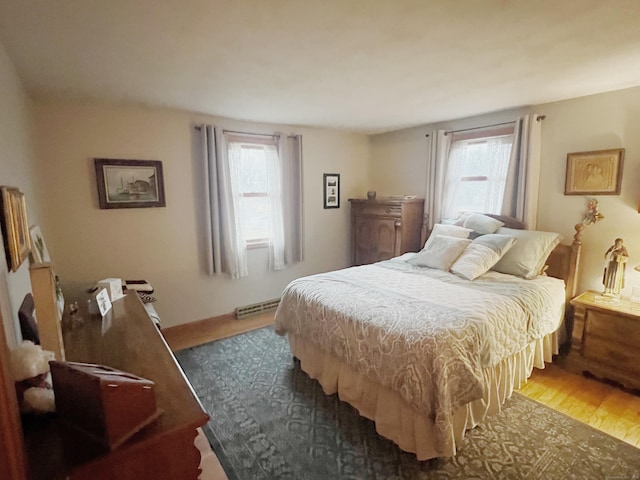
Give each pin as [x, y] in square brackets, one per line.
[257, 308]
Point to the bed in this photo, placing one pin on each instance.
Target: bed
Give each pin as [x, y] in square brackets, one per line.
[423, 352]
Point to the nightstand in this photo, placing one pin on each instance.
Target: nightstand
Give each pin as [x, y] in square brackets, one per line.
[605, 341]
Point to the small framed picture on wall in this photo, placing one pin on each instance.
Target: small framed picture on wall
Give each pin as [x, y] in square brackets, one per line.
[331, 190]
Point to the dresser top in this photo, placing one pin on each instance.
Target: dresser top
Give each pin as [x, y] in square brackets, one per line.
[387, 200]
[597, 301]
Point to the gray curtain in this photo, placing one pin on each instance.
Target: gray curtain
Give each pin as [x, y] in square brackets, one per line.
[290, 148]
[523, 178]
[436, 169]
[226, 249]
[226, 252]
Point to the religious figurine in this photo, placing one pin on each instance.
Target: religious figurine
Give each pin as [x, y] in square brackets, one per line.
[616, 258]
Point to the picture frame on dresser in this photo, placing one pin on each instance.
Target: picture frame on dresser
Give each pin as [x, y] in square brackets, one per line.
[15, 227]
[331, 190]
[129, 183]
[39, 251]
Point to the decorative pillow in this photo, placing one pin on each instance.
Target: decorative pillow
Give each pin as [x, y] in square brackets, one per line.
[441, 252]
[527, 256]
[482, 224]
[482, 254]
[447, 230]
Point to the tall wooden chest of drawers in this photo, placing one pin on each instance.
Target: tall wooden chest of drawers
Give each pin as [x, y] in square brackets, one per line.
[385, 227]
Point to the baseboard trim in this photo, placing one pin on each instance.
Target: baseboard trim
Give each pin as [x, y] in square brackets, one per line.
[207, 330]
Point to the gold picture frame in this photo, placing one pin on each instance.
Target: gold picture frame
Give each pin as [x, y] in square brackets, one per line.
[597, 172]
[15, 227]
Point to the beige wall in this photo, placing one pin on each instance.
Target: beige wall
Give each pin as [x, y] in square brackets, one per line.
[165, 245]
[17, 169]
[399, 159]
[596, 122]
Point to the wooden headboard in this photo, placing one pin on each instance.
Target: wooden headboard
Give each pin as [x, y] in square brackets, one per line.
[564, 263]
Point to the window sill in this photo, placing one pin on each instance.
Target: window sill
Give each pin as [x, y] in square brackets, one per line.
[257, 244]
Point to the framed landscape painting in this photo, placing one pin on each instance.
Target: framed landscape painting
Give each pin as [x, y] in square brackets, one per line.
[594, 173]
[129, 183]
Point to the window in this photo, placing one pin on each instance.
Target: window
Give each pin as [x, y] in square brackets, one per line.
[254, 193]
[477, 174]
[256, 188]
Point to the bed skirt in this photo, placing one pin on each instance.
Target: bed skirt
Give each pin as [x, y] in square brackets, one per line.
[395, 420]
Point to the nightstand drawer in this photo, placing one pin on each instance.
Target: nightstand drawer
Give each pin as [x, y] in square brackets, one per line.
[612, 354]
[613, 327]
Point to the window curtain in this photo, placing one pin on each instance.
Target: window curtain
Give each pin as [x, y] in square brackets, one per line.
[226, 245]
[436, 168]
[275, 168]
[523, 178]
[290, 149]
[226, 248]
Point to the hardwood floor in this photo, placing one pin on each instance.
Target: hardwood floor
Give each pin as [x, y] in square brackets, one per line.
[598, 404]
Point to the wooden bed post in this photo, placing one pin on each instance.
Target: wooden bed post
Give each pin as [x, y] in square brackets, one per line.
[574, 262]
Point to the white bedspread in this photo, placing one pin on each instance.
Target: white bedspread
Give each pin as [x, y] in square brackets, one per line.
[424, 333]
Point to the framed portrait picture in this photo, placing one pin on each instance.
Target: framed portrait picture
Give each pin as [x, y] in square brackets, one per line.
[331, 190]
[129, 183]
[15, 228]
[594, 173]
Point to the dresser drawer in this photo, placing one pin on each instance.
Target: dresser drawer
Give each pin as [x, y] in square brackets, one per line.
[614, 327]
[621, 357]
[378, 210]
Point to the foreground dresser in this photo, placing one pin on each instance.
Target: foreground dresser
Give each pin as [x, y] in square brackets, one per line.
[385, 227]
[126, 339]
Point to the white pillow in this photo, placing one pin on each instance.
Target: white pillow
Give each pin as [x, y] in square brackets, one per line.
[441, 252]
[482, 254]
[482, 224]
[527, 256]
[447, 230]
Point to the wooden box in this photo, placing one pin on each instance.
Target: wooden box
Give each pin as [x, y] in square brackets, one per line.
[103, 403]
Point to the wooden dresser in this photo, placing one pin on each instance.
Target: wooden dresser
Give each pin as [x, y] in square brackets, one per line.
[385, 227]
[126, 339]
[606, 339]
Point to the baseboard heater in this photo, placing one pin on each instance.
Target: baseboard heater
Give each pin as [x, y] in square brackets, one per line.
[257, 308]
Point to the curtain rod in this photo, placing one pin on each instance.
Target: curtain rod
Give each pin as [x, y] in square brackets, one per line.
[539, 118]
[275, 135]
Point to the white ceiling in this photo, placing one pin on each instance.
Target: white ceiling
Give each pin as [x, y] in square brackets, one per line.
[362, 65]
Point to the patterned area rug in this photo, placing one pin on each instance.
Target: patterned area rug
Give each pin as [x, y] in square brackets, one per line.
[270, 421]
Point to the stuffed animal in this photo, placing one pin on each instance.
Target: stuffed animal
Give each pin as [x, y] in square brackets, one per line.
[30, 367]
